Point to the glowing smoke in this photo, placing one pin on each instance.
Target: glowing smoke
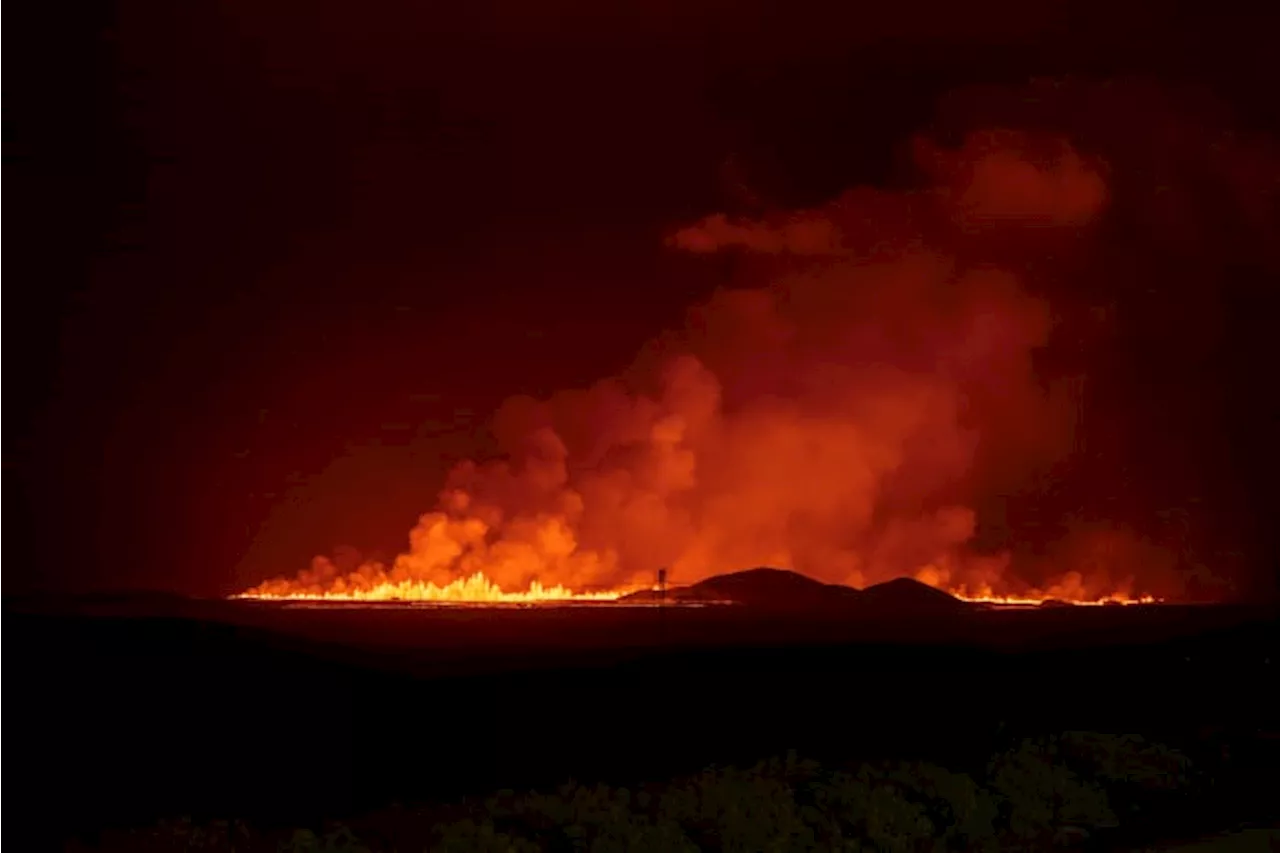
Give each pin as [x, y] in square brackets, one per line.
[827, 422]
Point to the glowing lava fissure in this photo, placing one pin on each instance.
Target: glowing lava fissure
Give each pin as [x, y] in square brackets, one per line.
[1034, 601]
[475, 589]
[478, 590]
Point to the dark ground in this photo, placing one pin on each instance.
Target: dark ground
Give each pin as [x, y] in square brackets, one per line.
[124, 712]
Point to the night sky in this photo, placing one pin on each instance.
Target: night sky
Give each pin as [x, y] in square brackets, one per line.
[272, 265]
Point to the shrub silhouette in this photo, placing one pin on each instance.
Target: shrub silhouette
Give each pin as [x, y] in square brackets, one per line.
[1031, 794]
[1041, 795]
[338, 840]
[962, 811]
[1128, 760]
[597, 818]
[740, 810]
[467, 836]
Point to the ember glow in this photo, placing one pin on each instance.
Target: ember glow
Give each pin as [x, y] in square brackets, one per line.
[846, 420]
[479, 590]
[1036, 601]
[476, 589]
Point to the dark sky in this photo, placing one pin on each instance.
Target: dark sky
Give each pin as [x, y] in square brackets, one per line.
[270, 265]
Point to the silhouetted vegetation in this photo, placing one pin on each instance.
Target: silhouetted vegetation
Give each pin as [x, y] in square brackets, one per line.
[1036, 794]
[286, 719]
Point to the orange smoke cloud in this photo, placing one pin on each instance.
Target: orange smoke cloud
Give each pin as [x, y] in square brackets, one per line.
[829, 422]
[998, 179]
[1006, 177]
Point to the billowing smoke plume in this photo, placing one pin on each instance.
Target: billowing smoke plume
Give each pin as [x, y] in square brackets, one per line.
[847, 419]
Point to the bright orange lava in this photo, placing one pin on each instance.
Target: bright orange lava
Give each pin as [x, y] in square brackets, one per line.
[478, 589]
[1014, 601]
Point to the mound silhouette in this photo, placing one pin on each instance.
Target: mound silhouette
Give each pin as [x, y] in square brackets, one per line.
[908, 597]
[760, 587]
[780, 589]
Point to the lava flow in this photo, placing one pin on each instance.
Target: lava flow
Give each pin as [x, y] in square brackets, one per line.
[480, 590]
[476, 589]
[1036, 601]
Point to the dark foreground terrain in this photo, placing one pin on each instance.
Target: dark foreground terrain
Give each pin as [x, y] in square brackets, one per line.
[125, 712]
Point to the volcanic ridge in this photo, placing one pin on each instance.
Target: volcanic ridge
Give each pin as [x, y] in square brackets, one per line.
[780, 589]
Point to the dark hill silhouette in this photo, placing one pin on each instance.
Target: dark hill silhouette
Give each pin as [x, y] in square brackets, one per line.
[774, 587]
[780, 589]
[759, 587]
[908, 597]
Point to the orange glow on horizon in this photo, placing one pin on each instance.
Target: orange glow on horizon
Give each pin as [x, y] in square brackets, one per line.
[476, 589]
[1031, 601]
[479, 589]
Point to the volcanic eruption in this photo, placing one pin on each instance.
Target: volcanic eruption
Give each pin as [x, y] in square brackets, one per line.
[847, 411]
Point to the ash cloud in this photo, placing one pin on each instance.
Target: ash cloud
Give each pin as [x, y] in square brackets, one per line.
[916, 358]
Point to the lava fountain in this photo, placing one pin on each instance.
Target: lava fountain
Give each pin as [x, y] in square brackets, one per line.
[476, 589]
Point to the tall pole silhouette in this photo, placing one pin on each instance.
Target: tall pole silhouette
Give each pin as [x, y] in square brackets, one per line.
[662, 605]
